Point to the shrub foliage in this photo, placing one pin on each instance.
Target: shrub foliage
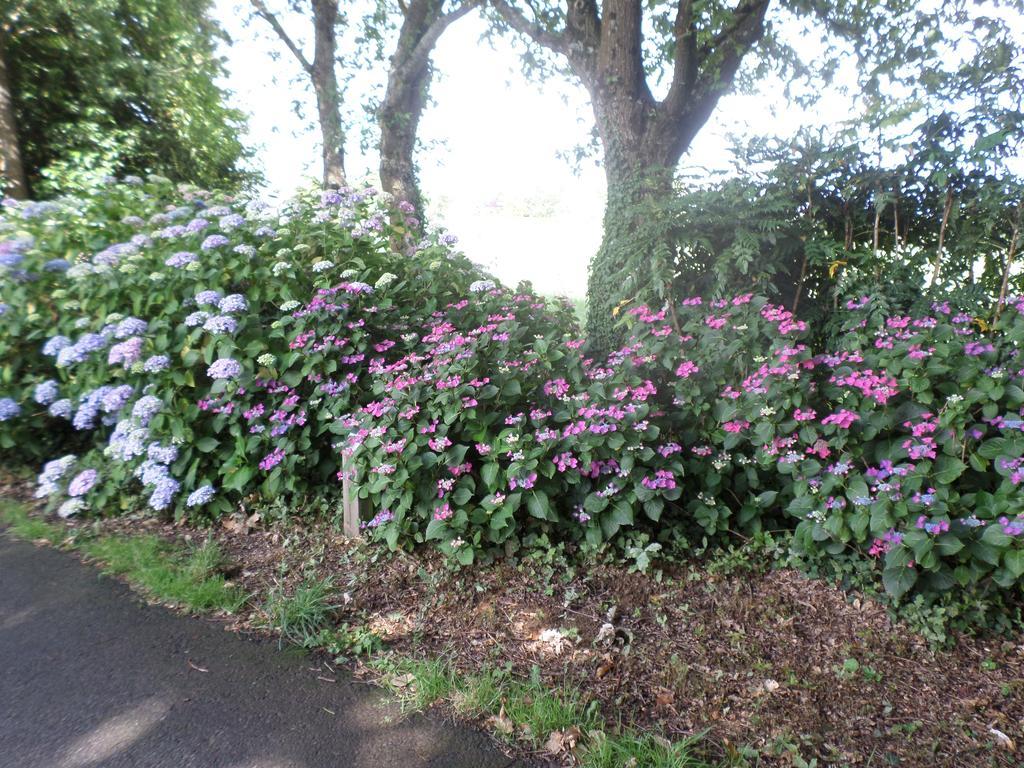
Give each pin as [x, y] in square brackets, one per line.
[202, 352]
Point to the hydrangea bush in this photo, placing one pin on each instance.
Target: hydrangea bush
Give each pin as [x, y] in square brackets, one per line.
[135, 355]
[199, 352]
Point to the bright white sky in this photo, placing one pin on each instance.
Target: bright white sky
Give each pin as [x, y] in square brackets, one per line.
[489, 168]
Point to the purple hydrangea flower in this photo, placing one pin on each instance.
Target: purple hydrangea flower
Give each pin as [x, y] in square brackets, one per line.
[221, 324]
[197, 225]
[151, 472]
[116, 398]
[234, 302]
[127, 352]
[207, 298]
[201, 496]
[83, 482]
[57, 265]
[225, 368]
[214, 241]
[180, 259]
[8, 409]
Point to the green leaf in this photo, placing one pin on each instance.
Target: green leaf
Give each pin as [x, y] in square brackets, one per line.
[898, 580]
[207, 444]
[1014, 562]
[947, 469]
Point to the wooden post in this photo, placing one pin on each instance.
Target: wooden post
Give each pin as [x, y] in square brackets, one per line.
[349, 496]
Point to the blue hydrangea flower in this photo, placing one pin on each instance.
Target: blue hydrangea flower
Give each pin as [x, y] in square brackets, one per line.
[214, 241]
[127, 441]
[3, 308]
[204, 298]
[156, 363]
[234, 302]
[201, 496]
[197, 225]
[55, 344]
[70, 508]
[265, 231]
[221, 324]
[57, 265]
[89, 408]
[180, 259]
[146, 407]
[51, 475]
[130, 326]
[225, 368]
[8, 409]
[46, 392]
[10, 259]
[231, 222]
[196, 319]
[61, 409]
[162, 454]
[151, 472]
[164, 493]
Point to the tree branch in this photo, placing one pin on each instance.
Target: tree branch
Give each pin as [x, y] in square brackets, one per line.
[555, 41]
[421, 53]
[684, 70]
[736, 40]
[271, 19]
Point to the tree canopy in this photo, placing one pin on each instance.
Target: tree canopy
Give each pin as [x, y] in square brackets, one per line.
[119, 86]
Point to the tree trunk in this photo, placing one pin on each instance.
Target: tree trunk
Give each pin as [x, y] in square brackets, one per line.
[325, 86]
[634, 259]
[404, 101]
[13, 171]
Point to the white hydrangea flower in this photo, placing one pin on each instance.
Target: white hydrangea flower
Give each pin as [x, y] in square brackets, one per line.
[322, 266]
[481, 286]
[349, 273]
[288, 306]
[385, 280]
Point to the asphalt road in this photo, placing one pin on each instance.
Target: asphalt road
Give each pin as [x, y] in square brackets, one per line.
[90, 677]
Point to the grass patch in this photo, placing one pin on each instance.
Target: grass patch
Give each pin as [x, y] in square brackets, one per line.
[525, 709]
[189, 579]
[15, 516]
[302, 615]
